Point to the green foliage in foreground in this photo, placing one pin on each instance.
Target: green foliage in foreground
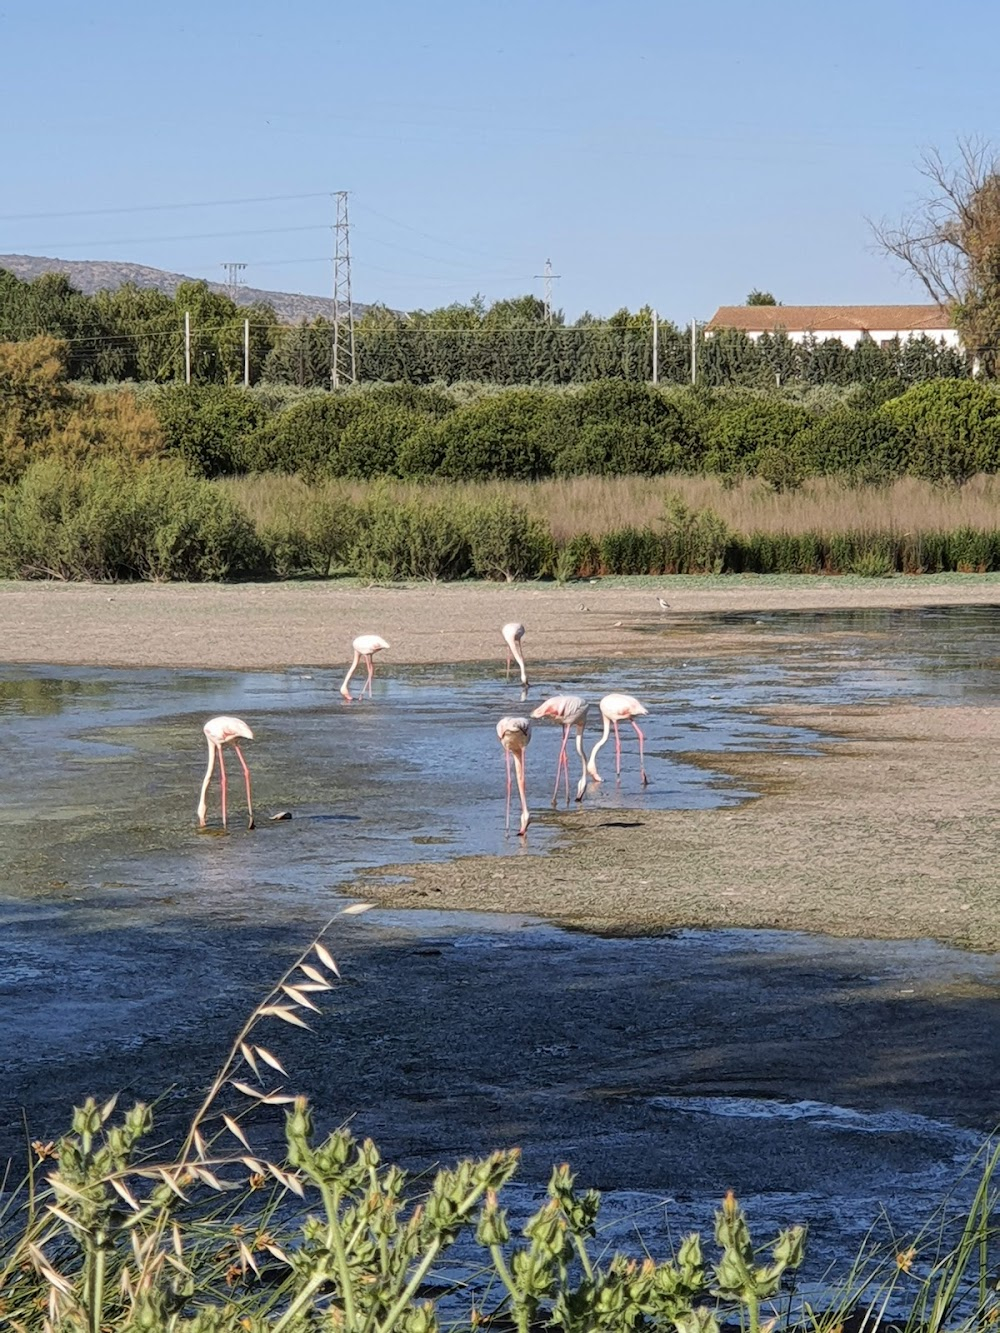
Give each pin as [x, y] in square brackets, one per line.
[115, 1242]
[117, 520]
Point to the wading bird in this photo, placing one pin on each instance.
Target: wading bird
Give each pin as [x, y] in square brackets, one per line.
[513, 634]
[514, 733]
[569, 711]
[219, 731]
[365, 645]
[664, 606]
[617, 708]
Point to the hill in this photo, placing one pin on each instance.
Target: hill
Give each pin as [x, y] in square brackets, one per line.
[95, 275]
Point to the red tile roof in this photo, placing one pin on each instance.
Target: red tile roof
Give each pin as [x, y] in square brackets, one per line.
[830, 318]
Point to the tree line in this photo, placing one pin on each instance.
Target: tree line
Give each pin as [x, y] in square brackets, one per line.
[940, 430]
[137, 334]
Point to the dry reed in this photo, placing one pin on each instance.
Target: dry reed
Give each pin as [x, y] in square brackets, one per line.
[574, 505]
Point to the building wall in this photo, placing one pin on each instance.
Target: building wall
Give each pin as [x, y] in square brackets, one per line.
[849, 337]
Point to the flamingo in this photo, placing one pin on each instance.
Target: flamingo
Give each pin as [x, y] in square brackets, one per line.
[617, 708]
[219, 731]
[513, 633]
[364, 646]
[514, 733]
[569, 710]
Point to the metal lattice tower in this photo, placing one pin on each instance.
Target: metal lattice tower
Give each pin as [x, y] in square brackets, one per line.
[343, 361]
[548, 275]
[233, 280]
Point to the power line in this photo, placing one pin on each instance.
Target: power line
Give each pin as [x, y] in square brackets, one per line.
[157, 208]
[187, 236]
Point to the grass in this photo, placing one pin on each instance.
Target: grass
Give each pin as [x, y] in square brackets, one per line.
[574, 505]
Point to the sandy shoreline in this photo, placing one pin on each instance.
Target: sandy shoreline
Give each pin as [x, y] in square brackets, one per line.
[256, 626]
[892, 833]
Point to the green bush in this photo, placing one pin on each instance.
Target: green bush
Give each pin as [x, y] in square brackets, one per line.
[514, 435]
[408, 540]
[739, 435]
[950, 429]
[209, 426]
[371, 440]
[112, 520]
[632, 551]
[856, 443]
[694, 541]
[506, 542]
[304, 438]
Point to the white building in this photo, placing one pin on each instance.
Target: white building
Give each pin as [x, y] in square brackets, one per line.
[849, 323]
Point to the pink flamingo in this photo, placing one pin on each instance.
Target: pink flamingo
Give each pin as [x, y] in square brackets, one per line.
[617, 708]
[569, 710]
[513, 634]
[364, 646]
[219, 731]
[514, 733]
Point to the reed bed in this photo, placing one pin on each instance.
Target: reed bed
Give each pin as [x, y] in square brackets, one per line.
[573, 506]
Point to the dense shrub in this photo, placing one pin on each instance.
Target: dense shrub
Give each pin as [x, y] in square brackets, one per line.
[863, 445]
[370, 442]
[409, 540]
[41, 416]
[632, 551]
[513, 435]
[209, 426]
[112, 520]
[304, 438]
[739, 436]
[506, 542]
[949, 429]
[695, 541]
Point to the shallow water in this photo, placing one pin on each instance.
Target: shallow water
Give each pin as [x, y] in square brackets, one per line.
[793, 1068]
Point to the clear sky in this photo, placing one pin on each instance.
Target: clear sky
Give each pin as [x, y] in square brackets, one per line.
[663, 153]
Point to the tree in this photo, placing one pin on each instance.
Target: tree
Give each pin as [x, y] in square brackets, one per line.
[951, 243]
[757, 297]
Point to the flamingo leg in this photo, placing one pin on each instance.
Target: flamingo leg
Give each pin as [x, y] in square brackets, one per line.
[507, 824]
[618, 751]
[642, 763]
[559, 766]
[345, 688]
[246, 774]
[525, 813]
[222, 779]
[507, 673]
[202, 802]
[370, 664]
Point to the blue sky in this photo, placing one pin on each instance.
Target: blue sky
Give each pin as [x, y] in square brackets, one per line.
[675, 154]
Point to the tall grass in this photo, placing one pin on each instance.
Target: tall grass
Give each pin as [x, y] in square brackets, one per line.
[572, 506]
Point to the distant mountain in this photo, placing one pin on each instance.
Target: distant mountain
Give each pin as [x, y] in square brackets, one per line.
[95, 275]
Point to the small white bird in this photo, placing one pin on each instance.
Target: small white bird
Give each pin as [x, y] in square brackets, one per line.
[664, 606]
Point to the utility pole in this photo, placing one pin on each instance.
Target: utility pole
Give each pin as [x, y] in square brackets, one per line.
[187, 346]
[233, 280]
[694, 351]
[246, 354]
[656, 349]
[548, 275]
[343, 362]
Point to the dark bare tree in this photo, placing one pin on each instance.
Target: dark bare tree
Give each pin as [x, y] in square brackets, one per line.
[951, 242]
